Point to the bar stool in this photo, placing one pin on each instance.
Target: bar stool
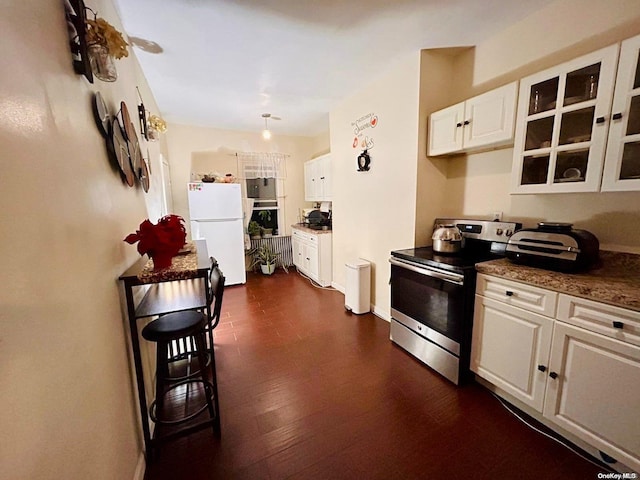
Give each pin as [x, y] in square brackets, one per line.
[183, 350]
[163, 331]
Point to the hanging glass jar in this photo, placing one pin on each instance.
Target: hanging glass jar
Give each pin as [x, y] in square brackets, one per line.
[102, 64]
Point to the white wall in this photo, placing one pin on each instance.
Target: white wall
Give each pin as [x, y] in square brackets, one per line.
[67, 397]
[479, 184]
[214, 147]
[374, 212]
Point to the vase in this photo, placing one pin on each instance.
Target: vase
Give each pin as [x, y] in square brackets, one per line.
[161, 260]
[102, 64]
[268, 269]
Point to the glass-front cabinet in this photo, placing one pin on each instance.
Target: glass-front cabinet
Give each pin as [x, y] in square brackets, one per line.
[562, 125]
[622, 166]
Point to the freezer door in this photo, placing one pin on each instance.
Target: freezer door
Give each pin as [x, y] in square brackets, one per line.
[214, 201]
[225, 242]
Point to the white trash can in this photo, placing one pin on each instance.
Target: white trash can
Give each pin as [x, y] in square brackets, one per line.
[357, 295]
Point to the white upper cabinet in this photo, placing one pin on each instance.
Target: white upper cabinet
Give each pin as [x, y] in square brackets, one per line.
[562, 125]
[317, 179]
[483, 121]
[622, 164]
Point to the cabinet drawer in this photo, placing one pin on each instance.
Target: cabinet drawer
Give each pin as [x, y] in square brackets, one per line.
[521, 295]
[608, 320]
[307, 237]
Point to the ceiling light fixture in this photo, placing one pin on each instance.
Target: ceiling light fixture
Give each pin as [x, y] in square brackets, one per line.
[266, 133]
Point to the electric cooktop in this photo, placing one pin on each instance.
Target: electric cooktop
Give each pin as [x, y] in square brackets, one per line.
[463, 260]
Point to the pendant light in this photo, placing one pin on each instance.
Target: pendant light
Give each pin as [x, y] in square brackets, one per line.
[266, 133]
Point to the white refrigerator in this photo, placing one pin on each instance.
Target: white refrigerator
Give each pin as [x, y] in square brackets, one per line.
[215, 211]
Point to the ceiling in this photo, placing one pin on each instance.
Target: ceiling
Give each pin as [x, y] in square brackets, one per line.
[223, 63]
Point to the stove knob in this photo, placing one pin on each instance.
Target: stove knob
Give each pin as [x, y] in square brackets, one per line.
[498, 231]
[508, 233]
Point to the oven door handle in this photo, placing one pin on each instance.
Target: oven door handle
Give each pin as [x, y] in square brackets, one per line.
[447, 277]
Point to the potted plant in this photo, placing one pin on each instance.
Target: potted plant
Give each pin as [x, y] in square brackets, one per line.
[253, 229]
[265, 257]
[265, 216]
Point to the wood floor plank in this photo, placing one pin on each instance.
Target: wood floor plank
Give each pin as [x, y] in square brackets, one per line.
[308, 391]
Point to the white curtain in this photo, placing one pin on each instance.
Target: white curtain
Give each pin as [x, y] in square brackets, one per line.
[248, 211]
[262, 165]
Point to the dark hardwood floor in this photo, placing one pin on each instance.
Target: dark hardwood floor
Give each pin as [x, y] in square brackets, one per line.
[308, 391]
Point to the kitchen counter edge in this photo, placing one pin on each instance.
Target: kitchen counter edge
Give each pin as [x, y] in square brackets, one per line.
[309, 230]
[615, 280]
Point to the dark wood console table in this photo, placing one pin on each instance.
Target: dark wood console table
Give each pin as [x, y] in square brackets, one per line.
[182, 286]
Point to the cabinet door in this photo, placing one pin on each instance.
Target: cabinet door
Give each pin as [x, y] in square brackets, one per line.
[596, 392]
[311, 260]
[445, 130]
[297, 250]
[562, 125]
[324, 178]
[510, 349]
[490, 117]
[310, 181]
[622, 165]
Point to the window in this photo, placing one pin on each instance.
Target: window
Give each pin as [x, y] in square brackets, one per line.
[264, 175]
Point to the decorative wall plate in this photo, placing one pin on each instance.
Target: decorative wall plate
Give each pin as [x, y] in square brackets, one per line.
[121, 151]
[101, 114]
[134, 151]
[127, 126]
[144, 176]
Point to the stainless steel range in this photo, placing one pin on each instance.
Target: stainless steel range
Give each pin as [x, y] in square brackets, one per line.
[432, 295]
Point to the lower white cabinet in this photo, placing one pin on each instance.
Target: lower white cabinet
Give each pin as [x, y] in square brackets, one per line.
[578, 363]
[312, 255]
[510, 348]
[593, 391]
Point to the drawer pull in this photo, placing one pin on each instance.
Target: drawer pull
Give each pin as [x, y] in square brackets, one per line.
[618, 325]
[553, 375]
[509, 293]
[542, 368]
[617, 116]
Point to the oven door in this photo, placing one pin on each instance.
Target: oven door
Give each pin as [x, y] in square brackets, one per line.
[424, 296]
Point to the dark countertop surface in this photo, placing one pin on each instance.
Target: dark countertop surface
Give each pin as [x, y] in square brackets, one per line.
[304, 228]
[615, 280]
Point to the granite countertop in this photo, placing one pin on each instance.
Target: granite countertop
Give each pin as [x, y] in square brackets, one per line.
[191, 262]
[302, 227]
[615, 280]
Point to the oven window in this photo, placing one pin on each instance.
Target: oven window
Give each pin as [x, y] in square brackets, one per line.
[435, 303]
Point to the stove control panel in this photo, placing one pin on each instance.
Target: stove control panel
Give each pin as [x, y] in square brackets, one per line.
[482, 229]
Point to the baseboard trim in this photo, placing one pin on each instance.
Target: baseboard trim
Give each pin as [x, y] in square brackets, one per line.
[380, 313]
[338, 287]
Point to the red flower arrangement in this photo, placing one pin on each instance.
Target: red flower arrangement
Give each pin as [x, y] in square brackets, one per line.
[162, 241]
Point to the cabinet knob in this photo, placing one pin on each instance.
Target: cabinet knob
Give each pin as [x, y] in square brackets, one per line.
[458, 124]
[542, 368]
[509, 293]
[618, 325]
[553, 375]
[617, 116]
[600, 120]
[321, 178]
[467, 122]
